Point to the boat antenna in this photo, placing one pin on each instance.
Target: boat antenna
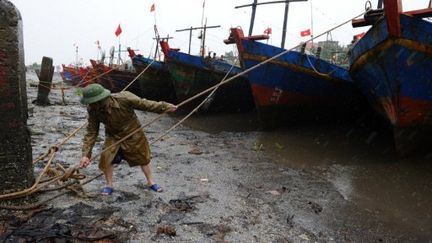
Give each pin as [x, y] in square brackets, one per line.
[154, 15]
[312, 23]
[430, 3]
[202, 51]
[203, 39]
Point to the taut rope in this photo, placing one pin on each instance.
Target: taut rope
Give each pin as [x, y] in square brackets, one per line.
[73, 170]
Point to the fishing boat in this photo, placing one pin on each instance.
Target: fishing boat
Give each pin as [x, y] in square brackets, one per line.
[296, 87]
[391, 65]
[194, 74]
[155, 82]
[74, 75]
[116, 77]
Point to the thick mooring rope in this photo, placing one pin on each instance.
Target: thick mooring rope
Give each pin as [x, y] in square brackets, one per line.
[214, 88]
[64, 175]
[75, 168]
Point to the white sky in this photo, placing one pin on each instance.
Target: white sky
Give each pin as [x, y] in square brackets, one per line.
[51, 27]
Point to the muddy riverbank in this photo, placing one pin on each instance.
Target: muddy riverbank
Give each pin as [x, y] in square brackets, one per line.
[225, 180]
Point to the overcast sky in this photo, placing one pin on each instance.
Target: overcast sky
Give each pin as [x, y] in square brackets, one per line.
[52, 27]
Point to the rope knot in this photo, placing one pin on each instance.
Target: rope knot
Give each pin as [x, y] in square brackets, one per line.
[68, 174]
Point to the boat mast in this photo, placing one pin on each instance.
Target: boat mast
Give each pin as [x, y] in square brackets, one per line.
[393, 9]
[119, 53]
[203, 39]
[284, 30]
[196, 28]
[380, 4]
[255, 4]
[158, 39]
[203, 29]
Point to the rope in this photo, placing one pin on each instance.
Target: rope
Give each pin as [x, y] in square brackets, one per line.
[84, 78]
[83, 125]
[139, 75]
[41, 203]
[75, 168]
[194, 110]
[218, 85]
[266, 61]
[53, 87]
[318, 72]
[54, 149]
[221, 83]
[32, 188]
[67, 174]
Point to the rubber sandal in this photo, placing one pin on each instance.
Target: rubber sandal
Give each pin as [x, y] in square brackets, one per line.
[107, 191]
[156, 188]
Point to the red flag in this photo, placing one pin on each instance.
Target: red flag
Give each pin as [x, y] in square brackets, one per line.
[359, 36]
[118, 31]
[305, 33]
[152, 8]
[268, 31]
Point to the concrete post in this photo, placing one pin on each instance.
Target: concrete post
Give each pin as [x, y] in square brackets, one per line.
[16, 170]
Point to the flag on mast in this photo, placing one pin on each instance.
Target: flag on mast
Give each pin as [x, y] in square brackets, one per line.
[359, 36]
[268, 31]
[118, 31]
[152, 8]
[305, 33]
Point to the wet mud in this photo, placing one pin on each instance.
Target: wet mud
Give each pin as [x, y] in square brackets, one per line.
[225, 180]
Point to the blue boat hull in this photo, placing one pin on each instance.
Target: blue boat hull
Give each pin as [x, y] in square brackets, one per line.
[115, 79]
[395, 73]
[194, 74]
[297, 87]
[155, 82]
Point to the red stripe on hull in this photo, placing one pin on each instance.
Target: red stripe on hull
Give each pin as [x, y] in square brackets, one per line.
[409, 113]
[266, 96]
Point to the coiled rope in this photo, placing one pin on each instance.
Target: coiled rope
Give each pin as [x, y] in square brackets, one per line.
[60, 175]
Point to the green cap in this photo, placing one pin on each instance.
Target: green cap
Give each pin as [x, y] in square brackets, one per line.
[94, 93]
